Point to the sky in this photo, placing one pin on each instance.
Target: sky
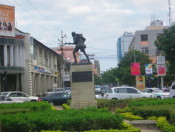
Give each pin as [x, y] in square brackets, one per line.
[101, 22]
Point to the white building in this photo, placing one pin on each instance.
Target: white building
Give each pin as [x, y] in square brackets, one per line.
[27, 65]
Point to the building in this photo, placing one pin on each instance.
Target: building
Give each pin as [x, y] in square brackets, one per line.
[123, 43]
[144, 39]
[27, 65]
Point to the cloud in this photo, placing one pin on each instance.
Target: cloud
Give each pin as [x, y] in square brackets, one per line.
[100, 21]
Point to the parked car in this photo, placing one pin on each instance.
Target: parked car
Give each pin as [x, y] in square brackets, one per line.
[56, 98]
[157, 93]
[172, 90]
[105, 88]
[53, 90]
[20, 96]
[6, 100]
[97, 88]
[67, 89]
[125, 93]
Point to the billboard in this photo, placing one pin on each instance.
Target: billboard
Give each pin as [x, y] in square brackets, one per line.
[161, 70]
[140, 82]
[135, 69]
[7, 20]
[148, 69]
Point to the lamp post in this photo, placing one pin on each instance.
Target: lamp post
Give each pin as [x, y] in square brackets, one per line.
[62, 56]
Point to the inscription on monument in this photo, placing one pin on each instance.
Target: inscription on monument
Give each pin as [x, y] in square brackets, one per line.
[85, 76]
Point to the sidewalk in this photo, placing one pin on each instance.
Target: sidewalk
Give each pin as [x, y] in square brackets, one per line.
[145, 125]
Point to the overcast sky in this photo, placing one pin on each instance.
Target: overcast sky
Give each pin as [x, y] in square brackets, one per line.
[100, 21]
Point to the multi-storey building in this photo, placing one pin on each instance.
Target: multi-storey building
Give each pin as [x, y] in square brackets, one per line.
[123, 44]
[144, 39]
[27, 65]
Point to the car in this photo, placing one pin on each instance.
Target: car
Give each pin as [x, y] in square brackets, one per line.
[125, 93]
[99, 95]
[6, 100]
[105, 89]
[56, 98]
[67, 89]
[97, 88]
[172, 90]
[157, 93]
[53, 90]
[20, 96]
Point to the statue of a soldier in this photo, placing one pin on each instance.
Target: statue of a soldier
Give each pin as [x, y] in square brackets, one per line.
[79, 40]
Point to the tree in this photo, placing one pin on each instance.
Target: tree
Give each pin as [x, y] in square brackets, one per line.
[98, 80]
[166, 44]
[110, 76]
[123, 70]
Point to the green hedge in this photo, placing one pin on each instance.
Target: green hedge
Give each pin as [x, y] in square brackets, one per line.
[126, 128]
[65, 120]
[112, 104]
[24, 107]
[150, 101]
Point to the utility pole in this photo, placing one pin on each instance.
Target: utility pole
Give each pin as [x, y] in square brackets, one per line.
[62, 57]
[169, 13]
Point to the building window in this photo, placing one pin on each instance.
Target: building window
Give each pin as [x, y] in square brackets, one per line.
[145, 50]
[144, 37]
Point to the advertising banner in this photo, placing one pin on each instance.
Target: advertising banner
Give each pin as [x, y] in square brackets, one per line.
[140, 82]
[148, 69]
[161, 70]
[135, 69]
[7, 20]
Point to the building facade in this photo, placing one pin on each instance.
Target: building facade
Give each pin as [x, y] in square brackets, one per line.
[27, 65]
[123, 43]
[12, 62]
[144, 39]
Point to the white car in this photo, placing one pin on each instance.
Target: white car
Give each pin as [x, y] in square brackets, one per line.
[157, 93]
[125, 93]
[20, 96]
[172, 91]
[6, 100]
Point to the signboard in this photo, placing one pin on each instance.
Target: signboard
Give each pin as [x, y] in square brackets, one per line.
[135, 69]
[140, 82]
[161, 70]
[148, 69]
[7, 20]
[84, 76]
[161, 60]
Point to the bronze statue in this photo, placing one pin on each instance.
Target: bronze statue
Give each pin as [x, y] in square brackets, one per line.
[79, 40]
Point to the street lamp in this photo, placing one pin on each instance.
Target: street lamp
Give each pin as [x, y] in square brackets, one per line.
[62, 57]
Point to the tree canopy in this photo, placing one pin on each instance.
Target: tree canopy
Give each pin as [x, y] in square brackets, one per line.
[166, 44]
[122, 75]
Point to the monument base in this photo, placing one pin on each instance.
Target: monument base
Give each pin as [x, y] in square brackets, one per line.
[82, 86]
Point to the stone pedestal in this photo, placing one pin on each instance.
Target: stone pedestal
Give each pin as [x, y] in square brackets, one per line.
[82, 86]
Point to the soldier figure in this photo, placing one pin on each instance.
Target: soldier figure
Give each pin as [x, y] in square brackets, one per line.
[79, 40]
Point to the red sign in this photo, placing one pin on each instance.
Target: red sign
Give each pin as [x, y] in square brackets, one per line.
[135, 69]
[161, 70]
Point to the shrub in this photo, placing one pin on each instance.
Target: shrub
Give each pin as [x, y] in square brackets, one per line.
[66, 106]
[126, 109]
[24, 107]
[112, 104]
[65, 120]
[163, 124]
[130, 116]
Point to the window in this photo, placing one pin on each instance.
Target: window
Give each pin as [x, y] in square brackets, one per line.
[173, 87]
[144, 37]
[131, 90]
[122, 90]
[145, 50]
